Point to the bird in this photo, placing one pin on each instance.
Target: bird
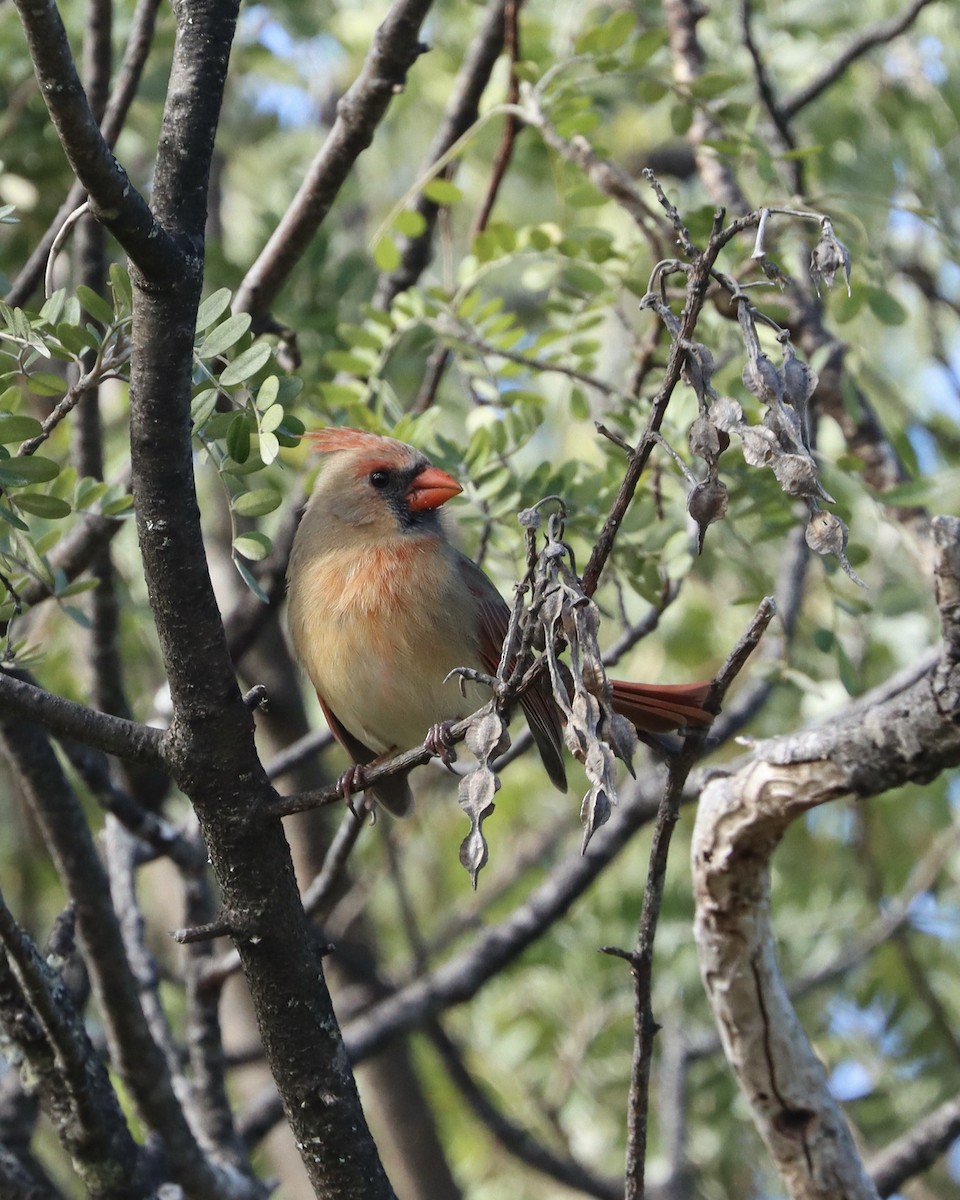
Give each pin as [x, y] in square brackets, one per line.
[382, 607]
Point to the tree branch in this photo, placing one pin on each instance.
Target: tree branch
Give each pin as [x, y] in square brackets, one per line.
[740, 821]
[114, 735]
[113, 199]
[38, 1016]
[125, 88]
[878, 35]
[395, 48]
[461, 112]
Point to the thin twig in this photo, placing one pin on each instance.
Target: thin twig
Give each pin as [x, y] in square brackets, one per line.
[641, 958]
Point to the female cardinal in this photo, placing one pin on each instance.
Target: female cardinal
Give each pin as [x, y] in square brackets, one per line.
[382, 607]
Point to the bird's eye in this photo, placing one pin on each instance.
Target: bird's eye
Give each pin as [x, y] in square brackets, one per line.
[379, 479]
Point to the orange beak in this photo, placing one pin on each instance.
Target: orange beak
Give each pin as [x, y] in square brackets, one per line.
[431, 488]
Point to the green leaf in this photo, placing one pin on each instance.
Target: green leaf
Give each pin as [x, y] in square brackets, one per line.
[269, 447]
[52, 310]
[116, 508]
[44, 383]
[88, 491]
[77, 615]
[120, 283]
[681, 117]
[585, 195]
[410, 222]
[442, 191]
[246, 364]
[15, 472]
[254, 546]
[202, 406]
[353, 364]
[714, 83]
[238, 438]
[582, 279]
[251, 583]
[224, 336]
[11, 518]
[39, 504]
[386, 254]
[97, 307]
[75, 338]
[272, 419]
[257, 503]
[76, 588]
[885, 307]
[212, 309]
[15, 428]
[268, 392]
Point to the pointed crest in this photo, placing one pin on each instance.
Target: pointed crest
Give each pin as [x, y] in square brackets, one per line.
[329, 440]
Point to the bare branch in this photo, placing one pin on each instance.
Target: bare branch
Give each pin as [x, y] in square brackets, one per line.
[517, 1140]
[134, 1052]
[113, 199]
[917, 1149]
[641, 958]
[395, 48]
[879, 35]
[462, 976]
[38, 1016]
[462, 111]
[125, 88]
[114, 735]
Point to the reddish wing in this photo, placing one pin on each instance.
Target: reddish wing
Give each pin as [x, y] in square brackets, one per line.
[493, 617]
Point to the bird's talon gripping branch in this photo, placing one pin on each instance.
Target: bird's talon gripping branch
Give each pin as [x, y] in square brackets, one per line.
[350, 783]
[438, 742]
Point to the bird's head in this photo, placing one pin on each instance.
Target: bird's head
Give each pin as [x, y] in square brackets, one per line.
[377, 483]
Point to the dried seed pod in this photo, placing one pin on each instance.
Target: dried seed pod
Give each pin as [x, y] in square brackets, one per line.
[697, 369]
[826, 534]
[726, 414]
[797, 475]
[706, 441]
[707, 503]
[829, 256]
[486, 738]
[759, 445]
[799, 379]
[762, 378]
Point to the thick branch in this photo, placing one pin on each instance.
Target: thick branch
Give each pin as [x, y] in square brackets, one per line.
[113, 199]
[394, 51]
[127, 82]
[114, 735]
[134, 1052]
[38, 1017]
[741, 819]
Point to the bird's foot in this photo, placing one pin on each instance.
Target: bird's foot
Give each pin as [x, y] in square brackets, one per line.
[438, 742]
[350, 783]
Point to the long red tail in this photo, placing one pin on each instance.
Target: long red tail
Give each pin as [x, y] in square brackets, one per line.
[659, 707]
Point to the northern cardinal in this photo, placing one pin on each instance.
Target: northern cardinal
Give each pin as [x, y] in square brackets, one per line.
[382, 607]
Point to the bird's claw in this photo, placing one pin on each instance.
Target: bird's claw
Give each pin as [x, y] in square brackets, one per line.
[350, 783]
[463, 674]
[438, 742]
